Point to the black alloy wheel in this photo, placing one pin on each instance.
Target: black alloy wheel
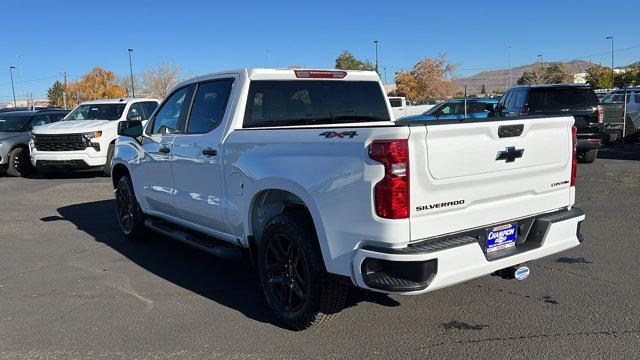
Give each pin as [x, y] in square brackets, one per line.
[287, 273]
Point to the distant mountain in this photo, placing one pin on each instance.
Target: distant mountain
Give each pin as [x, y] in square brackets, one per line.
[637, 63]
[499, 79]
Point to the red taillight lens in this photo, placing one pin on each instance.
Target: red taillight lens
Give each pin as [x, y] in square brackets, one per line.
[320, 74]
[600, 114]
[392, 192]
[574, 159]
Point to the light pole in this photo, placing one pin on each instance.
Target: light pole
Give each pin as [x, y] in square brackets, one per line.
[12, 88]
[375, 42]
[613, 72]
[19, 57]
[510, 67]
[133, 91]
[269, 58]
[385, 74]
[64, 90]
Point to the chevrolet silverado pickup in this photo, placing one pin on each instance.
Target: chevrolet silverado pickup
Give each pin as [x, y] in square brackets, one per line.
[308, 173]
[85, 138]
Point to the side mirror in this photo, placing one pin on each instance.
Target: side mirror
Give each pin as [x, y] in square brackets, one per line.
[131, 128]
[135, 118]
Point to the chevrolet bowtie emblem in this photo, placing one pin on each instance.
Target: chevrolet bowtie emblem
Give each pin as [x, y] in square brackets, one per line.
[510, 154]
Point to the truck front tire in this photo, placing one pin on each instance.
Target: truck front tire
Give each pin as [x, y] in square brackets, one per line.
[292, 272]
[19, 163]
[129, 214]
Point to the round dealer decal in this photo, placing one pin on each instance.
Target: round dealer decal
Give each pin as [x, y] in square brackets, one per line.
[522, 273]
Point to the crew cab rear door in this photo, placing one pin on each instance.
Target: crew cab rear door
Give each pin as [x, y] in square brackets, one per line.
[467, 175]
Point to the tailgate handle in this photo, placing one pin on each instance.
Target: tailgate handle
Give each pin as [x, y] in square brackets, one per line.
[510, 130]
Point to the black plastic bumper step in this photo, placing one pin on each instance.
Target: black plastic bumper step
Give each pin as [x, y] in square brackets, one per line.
[204, 243]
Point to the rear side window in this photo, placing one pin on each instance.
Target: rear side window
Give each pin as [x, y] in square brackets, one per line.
[572, 99]
[309, 102]
[208, 106]
[395, 102]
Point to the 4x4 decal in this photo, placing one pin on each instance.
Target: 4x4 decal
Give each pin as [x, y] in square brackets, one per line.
[343, 134]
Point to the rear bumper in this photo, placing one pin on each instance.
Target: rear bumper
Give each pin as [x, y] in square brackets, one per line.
[441, 262]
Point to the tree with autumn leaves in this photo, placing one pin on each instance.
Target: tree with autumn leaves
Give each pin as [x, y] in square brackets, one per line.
[94, 85]
[430, 78]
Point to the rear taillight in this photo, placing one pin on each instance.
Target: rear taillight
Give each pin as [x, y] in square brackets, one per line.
[600, 114]
[574, 159]
[391, 194]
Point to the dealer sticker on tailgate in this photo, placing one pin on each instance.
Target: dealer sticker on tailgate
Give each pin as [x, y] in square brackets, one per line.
[501, 237]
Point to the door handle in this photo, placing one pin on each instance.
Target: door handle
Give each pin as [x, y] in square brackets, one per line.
[209, 152]
[164, 150]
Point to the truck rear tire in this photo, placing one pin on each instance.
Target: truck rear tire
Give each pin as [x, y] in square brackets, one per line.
[130, 216]
[19, 162]
[590, 156]
[292, 273]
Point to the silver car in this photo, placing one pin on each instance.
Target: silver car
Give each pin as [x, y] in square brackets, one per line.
[15, 133]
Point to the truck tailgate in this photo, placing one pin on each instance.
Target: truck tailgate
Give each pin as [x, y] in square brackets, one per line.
[466, 175]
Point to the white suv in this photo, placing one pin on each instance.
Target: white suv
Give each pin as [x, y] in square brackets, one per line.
[85, 138]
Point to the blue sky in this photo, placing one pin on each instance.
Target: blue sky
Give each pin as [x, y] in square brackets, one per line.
[207, 36]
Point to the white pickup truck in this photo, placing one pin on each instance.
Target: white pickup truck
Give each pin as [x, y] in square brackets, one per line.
[401, 107]
[308, 173]
[85, 138]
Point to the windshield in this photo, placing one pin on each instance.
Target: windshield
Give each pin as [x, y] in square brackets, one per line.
[15, 123]
[96, 112]
[309, 102]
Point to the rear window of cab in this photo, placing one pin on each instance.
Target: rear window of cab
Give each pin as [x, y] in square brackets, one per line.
[313, 102]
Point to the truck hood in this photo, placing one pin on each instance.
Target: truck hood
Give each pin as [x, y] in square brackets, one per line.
[73, 126]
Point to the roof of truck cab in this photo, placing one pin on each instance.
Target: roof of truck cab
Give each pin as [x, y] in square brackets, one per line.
[552, 86]
[283, 74]
[117, 101]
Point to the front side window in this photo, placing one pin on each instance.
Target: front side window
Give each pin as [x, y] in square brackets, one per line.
[208, 106]
[312, 102]
[167, 119]
[55, 117]
[96, 112]
[520, 99]
[40, 120]
[149, 107]
[135, 112]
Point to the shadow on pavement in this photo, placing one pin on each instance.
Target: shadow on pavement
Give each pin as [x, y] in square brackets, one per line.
[233, 284]
[628, 152]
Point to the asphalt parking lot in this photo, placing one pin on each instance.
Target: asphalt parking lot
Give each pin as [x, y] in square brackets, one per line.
[72, 287]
